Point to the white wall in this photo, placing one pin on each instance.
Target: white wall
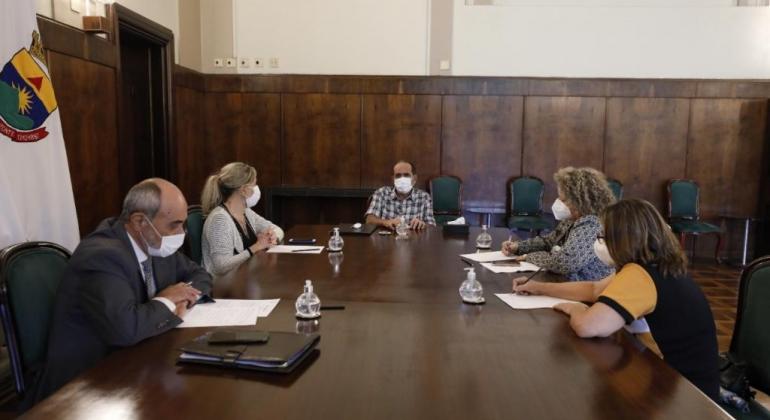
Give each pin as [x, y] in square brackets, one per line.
[164, 12]
[332, 36]
[644, 42]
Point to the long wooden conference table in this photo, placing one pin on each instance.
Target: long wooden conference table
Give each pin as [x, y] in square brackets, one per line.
[404, 347]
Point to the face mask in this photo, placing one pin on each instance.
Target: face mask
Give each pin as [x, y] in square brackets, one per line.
[168, 244]
[403, 185]
[601, 251]
[254, 198]
[560, 210]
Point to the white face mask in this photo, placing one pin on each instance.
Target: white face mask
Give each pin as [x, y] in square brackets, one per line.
[403, 185]
[601, 251]
[560, 210]
[254, 197]
[168, 244]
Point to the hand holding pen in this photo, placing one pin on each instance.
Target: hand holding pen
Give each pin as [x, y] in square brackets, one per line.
[521, 285]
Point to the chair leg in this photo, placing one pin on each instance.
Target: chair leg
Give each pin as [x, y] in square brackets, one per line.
[718, 248]
[682, 241]
[694, 247]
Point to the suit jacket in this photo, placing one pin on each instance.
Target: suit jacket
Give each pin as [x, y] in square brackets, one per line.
[102, 305]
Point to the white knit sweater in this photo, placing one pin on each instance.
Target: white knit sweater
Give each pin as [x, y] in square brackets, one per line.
[221, 239]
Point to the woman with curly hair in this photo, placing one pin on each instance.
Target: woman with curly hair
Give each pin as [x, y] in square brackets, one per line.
[568, 249]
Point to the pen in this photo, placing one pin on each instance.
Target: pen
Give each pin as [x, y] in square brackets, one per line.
[304, 249]
[332, 307]
[531, 276]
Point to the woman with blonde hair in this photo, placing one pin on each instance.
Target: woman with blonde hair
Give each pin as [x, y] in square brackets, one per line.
[233, 232]
[651, 282]
[568, 249]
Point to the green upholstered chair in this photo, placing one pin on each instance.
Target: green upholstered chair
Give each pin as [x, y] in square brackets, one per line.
[525, 195]
[194, 235]
[446, 191]
[616, 187]
[751, 336]
[30, 273]
[684, 215]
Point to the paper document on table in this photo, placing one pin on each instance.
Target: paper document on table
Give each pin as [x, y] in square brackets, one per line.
[487, 256]
[505, 268]
[295, 249]
[530, 301]
[227, 312]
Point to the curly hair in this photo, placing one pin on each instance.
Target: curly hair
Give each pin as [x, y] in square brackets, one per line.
[586, 189]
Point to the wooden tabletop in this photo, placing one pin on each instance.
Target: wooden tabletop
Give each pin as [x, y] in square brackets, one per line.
[404, 347]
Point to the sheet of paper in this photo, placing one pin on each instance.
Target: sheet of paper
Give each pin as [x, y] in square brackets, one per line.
[487, 256]
[529, 301]
[228, 312]
[295, 249]
[523, 266]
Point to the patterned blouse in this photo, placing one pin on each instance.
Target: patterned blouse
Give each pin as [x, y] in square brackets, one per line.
[386, 205]
[568, 250]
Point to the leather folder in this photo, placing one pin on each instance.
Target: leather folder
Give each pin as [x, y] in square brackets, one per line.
[281, 353]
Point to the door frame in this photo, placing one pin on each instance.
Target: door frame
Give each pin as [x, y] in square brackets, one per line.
[122, 18]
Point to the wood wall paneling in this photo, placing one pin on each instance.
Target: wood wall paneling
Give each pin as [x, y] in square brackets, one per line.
[724, 153]
[321, 140]
[223, 120]
[646, 145]
[559, 132]
[190, 142]
[397, 127]
[259, 143]
[85, 92]
[482, 143]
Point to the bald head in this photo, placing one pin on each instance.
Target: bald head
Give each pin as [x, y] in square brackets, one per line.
[158, 202]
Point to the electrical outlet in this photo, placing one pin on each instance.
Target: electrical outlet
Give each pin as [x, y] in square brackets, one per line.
[217, 62]
[274, 62]
[229, 62]
[258, 63]
[443, 65]
[245, 62]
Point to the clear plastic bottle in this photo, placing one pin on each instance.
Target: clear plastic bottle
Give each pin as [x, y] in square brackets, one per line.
[484, 240]
[402, 229]
[471, 290]
[308, 304]
[335, 242]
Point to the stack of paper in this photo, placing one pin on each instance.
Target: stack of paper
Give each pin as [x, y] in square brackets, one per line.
[530, 301]
[504, 268]
[227, 312]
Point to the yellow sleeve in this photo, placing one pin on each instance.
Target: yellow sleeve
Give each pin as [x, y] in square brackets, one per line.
[631, 293]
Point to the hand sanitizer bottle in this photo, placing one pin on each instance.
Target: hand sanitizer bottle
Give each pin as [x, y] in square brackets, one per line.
[308, 304]
[484, 240]
[402, 230]
[335, 242]
[471, 290]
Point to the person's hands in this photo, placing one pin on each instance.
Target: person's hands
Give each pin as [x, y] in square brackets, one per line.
[570, 308]
[181, 309]
[522, 286]
[510, 248]
[391, 223]
[416, 224]
[181, 293]
[273, 236]
[265, 239]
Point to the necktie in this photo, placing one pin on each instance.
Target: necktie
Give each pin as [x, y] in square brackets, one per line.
[149, 280]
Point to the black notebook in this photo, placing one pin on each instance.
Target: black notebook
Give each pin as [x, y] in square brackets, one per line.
[365, 229]
[282, 352]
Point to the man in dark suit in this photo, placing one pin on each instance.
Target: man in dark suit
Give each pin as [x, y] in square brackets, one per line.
[124, 283]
